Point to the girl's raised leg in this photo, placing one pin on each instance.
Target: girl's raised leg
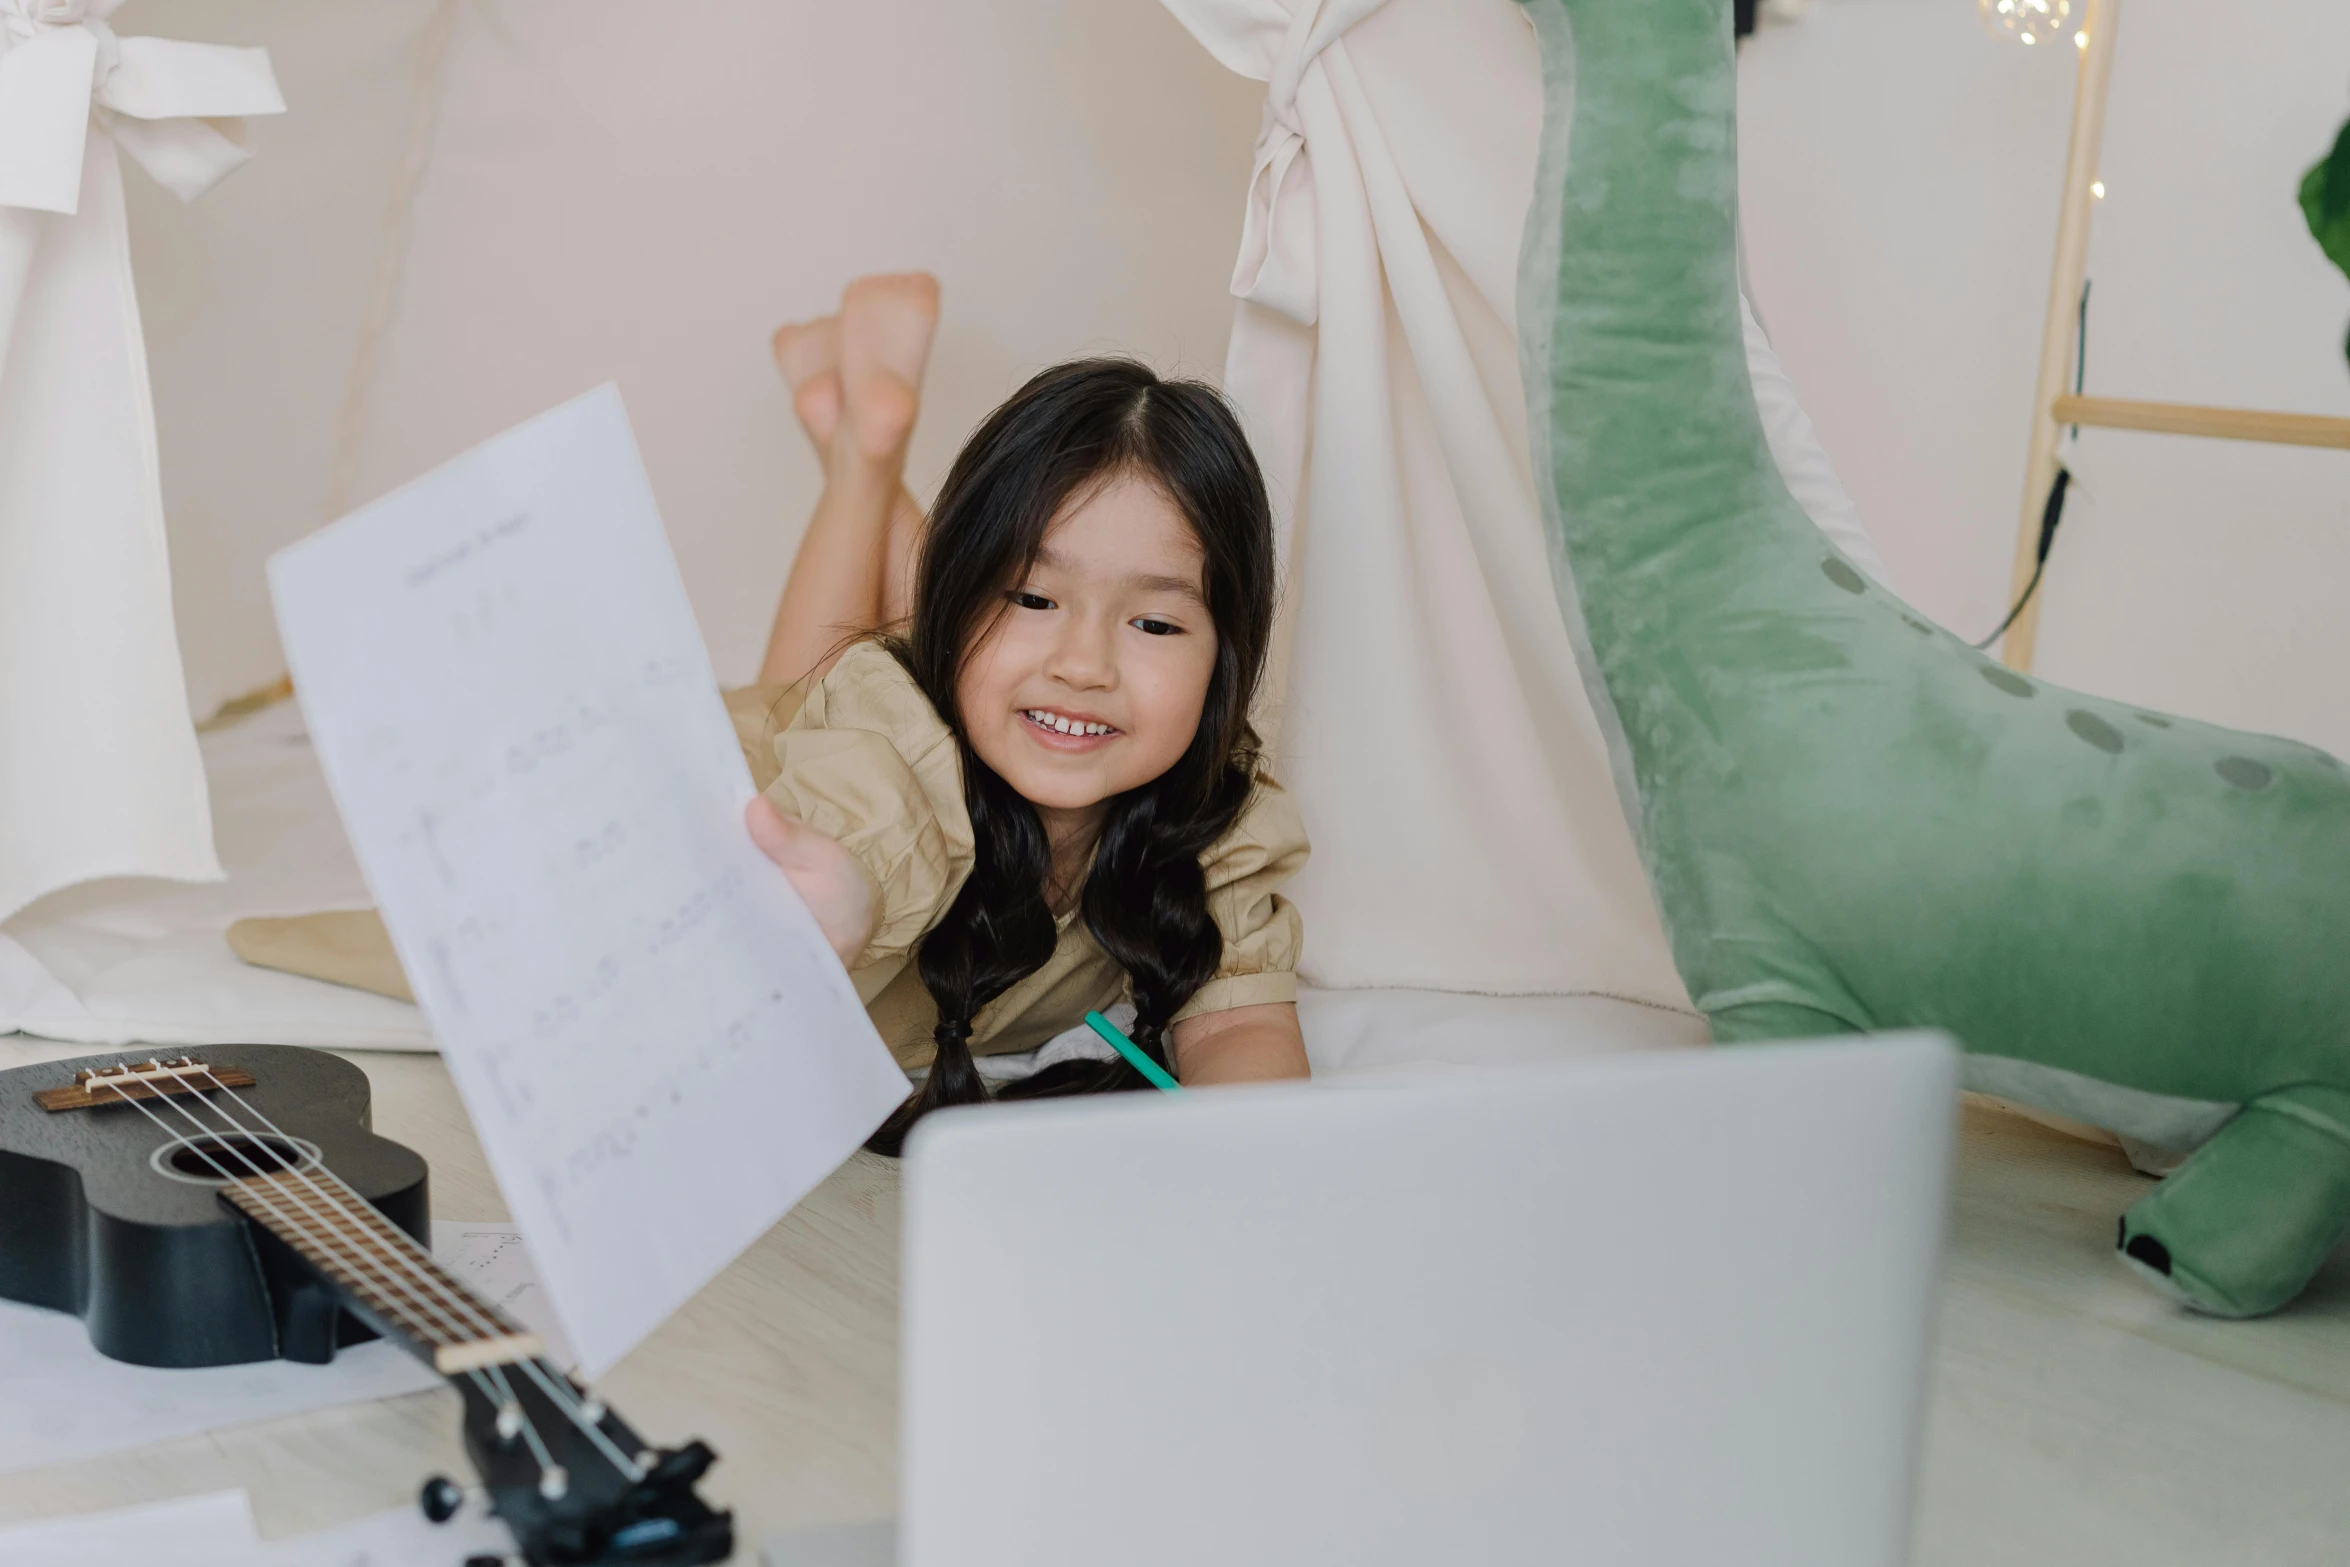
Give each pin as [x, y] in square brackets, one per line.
[856, 385]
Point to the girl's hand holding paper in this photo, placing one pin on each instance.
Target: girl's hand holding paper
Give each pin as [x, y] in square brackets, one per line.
[835, 887]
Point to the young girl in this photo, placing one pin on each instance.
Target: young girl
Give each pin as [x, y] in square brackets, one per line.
[1039, 791]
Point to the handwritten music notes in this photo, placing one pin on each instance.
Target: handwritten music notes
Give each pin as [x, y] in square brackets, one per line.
[493, 1261]
[517, 717]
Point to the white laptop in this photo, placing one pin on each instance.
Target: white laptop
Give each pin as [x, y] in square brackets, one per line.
[1668, 1310]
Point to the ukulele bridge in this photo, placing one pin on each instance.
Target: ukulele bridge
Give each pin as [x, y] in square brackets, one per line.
[100, 1085]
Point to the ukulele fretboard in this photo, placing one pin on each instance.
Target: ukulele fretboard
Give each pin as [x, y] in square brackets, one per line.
[341, 1234]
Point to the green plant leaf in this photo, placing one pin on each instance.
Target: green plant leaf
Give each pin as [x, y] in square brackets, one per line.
[2325, 201]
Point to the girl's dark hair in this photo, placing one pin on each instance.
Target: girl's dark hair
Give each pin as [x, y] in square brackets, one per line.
[1070, 429]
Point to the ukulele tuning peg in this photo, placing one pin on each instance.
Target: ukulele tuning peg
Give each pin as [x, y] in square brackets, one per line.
[440, 1499]
[509, 1421]
[553, 1482]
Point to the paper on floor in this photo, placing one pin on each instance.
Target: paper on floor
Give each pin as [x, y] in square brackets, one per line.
[493, 1261]
[517, 717]
[61, 1401]
[216, 1530]
[192, 1531]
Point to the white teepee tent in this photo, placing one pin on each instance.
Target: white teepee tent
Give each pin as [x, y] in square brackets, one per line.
[492, 205]
[1434, 727]
[98, 768]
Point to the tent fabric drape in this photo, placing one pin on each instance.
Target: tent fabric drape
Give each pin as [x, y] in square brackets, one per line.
[1429, 714]
[99, 770]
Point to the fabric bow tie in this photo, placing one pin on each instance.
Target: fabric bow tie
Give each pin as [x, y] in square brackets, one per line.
[1279, 256]
[176, 108]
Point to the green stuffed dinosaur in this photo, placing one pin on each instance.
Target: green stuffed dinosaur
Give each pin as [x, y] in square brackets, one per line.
[1854, 821]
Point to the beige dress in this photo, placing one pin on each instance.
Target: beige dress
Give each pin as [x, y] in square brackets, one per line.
[862, 757]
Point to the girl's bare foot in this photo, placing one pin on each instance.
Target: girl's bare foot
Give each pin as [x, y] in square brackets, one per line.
[856, 382]
[885, 328]
[808, 354]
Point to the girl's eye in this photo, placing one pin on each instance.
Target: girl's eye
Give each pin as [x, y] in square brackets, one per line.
[1156, 628]
[1028, 600]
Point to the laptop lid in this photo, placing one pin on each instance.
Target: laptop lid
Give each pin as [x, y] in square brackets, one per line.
[1656, 1310]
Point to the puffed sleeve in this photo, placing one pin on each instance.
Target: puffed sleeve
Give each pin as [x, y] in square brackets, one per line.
[759, 713]
[867, 761]
[1262, 931]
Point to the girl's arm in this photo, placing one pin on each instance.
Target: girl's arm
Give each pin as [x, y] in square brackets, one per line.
[1241, 1045]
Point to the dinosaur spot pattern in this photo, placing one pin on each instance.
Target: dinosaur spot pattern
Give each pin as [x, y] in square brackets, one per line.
[1917, 625]
[1843, 576]
[2152, 720]
[2244, 772]
[2095, 730]
[2006, 680]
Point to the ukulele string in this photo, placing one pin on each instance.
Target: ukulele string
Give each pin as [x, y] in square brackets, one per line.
[549, 1382]
[301, 1209]
[557, 1387]
[565, 1400]
[476, 1324]
[549, 1472]
[501, 1398]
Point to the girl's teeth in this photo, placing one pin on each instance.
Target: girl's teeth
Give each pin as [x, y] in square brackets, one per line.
[1067, 726]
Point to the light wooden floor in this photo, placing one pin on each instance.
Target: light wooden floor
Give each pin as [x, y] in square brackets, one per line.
[2077, 1419]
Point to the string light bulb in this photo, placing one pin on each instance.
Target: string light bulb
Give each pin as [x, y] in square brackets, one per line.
[2030, 22]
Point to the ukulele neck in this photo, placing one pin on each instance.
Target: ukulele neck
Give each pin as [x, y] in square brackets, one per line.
[391, 1278]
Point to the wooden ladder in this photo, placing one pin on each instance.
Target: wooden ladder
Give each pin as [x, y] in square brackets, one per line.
[2053, 408]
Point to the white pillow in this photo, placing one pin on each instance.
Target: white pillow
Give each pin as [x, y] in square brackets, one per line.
[1349, 1032]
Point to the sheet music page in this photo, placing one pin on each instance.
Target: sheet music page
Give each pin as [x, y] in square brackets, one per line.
[515, 711]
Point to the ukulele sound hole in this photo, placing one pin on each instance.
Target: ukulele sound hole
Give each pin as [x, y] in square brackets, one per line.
[233, 1157]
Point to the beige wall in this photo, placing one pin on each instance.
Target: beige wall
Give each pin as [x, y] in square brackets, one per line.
[1901, 171]
[640, 193]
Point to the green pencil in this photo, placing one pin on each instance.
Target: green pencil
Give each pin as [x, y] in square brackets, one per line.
[1132, 1052]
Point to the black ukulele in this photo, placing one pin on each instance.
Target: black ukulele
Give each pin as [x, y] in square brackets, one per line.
[237, 1208]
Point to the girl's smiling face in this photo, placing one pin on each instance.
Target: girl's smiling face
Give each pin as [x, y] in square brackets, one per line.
[1089, 680]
